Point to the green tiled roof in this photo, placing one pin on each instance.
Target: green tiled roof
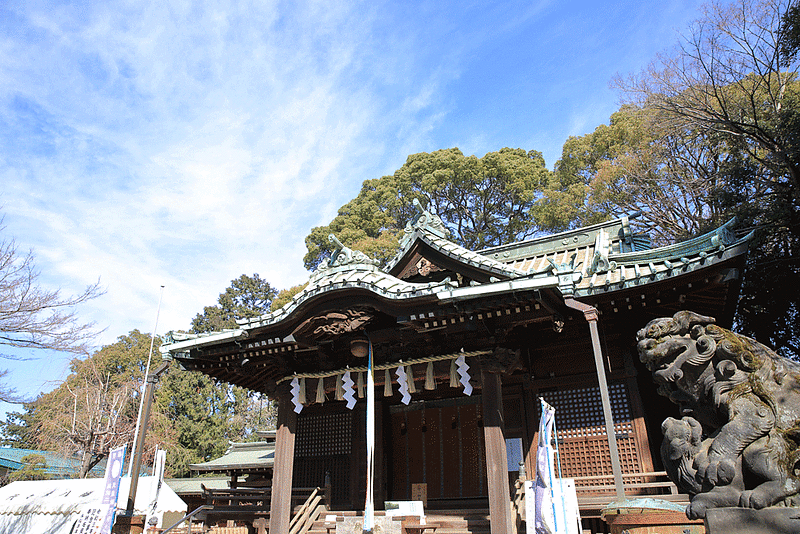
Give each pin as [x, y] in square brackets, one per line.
[588, 261]
[254, 455]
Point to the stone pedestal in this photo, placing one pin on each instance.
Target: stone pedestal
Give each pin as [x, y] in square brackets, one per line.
[650, 516]
[750, 521]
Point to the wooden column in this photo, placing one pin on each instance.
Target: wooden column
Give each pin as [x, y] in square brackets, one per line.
[591, 315]
[281, 503]
[496, 460]
[380, 493]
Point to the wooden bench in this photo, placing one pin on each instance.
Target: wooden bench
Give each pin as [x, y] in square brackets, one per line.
[413, 525]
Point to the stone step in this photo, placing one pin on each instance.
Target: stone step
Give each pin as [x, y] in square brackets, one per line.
[451, 521]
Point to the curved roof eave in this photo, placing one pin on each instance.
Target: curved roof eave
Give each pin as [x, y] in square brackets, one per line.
[638, 268]
[359, 276]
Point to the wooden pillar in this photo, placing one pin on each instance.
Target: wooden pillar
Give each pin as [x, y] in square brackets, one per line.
[380, 493]
[281, 502]
[591, 315]
[496, 459]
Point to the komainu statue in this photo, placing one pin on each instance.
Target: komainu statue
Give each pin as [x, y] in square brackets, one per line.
[738, 441]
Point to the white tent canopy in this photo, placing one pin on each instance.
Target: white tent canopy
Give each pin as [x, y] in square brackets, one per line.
[52, 506]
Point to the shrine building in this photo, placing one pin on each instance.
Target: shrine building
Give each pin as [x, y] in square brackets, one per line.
[463, 344]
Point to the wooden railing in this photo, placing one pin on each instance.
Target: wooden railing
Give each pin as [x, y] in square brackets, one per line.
[247, 499]
[188, 519]
[308, 512]
[652, 483]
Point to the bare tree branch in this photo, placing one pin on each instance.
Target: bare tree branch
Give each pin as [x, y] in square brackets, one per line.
[34, 317]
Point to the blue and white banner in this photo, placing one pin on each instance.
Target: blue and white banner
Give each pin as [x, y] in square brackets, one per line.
[99, 519]
[544, 520]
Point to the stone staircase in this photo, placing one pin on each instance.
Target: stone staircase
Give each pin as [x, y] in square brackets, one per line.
[450, 521]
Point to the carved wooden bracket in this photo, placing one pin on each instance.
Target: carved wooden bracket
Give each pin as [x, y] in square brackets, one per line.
[501, 360]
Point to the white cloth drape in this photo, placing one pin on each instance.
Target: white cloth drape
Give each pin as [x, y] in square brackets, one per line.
[544, 520]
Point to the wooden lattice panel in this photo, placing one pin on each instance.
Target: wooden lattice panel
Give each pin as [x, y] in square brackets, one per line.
[324, 434]
[323, 449]
[581, 431]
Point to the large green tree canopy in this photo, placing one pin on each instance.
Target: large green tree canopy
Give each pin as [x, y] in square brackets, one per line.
[247, 296]
[683, 182]
[711, 130]
[483, 202]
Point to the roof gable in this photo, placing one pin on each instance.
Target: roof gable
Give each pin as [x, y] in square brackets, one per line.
[426, 248]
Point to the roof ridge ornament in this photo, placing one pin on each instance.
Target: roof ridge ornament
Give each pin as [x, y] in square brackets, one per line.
[343, 255]
[424, 220]
[602, 248]
[568, 274]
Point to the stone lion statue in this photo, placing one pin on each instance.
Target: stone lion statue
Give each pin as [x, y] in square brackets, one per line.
[738, 442]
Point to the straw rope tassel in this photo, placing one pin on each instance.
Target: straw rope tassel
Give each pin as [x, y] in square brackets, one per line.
[321, 391]
[430, 382]
[302, 393]
[454, 383]
[387, 383]
[339, 388]
[360, 385]
[411, 387]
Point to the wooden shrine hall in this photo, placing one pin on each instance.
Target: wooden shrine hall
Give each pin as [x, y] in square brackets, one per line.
[463, 345]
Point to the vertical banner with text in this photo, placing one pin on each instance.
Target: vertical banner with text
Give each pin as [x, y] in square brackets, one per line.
[99, 518]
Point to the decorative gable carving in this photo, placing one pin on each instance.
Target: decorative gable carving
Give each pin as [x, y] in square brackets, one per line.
[333, 324]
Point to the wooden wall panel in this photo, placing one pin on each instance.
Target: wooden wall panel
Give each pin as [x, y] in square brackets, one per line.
[400, 483]
[416, 449]
[452, 481]
[440, 444]
[431, 436]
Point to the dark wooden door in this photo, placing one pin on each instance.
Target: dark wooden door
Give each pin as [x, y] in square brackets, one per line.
[438, 443]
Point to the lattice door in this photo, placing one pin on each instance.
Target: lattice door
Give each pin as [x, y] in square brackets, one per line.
[581, 431]
[323, 443]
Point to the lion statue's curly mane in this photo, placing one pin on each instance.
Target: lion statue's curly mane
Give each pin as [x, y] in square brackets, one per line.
[738, 442]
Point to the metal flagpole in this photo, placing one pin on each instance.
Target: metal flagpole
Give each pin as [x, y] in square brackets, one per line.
[369, 506]
[146, 373]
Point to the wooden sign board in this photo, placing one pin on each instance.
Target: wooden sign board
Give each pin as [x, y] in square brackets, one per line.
[419, 492]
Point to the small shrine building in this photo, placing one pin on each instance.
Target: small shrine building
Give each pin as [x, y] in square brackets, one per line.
[463, 344]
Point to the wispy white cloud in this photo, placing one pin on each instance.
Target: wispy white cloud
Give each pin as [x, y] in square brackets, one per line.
[185, 143]
[205, 131]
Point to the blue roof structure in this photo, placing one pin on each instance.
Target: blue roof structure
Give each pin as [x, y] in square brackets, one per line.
[58, 465]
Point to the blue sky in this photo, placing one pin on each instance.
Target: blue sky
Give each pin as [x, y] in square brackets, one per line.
[185, 143]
